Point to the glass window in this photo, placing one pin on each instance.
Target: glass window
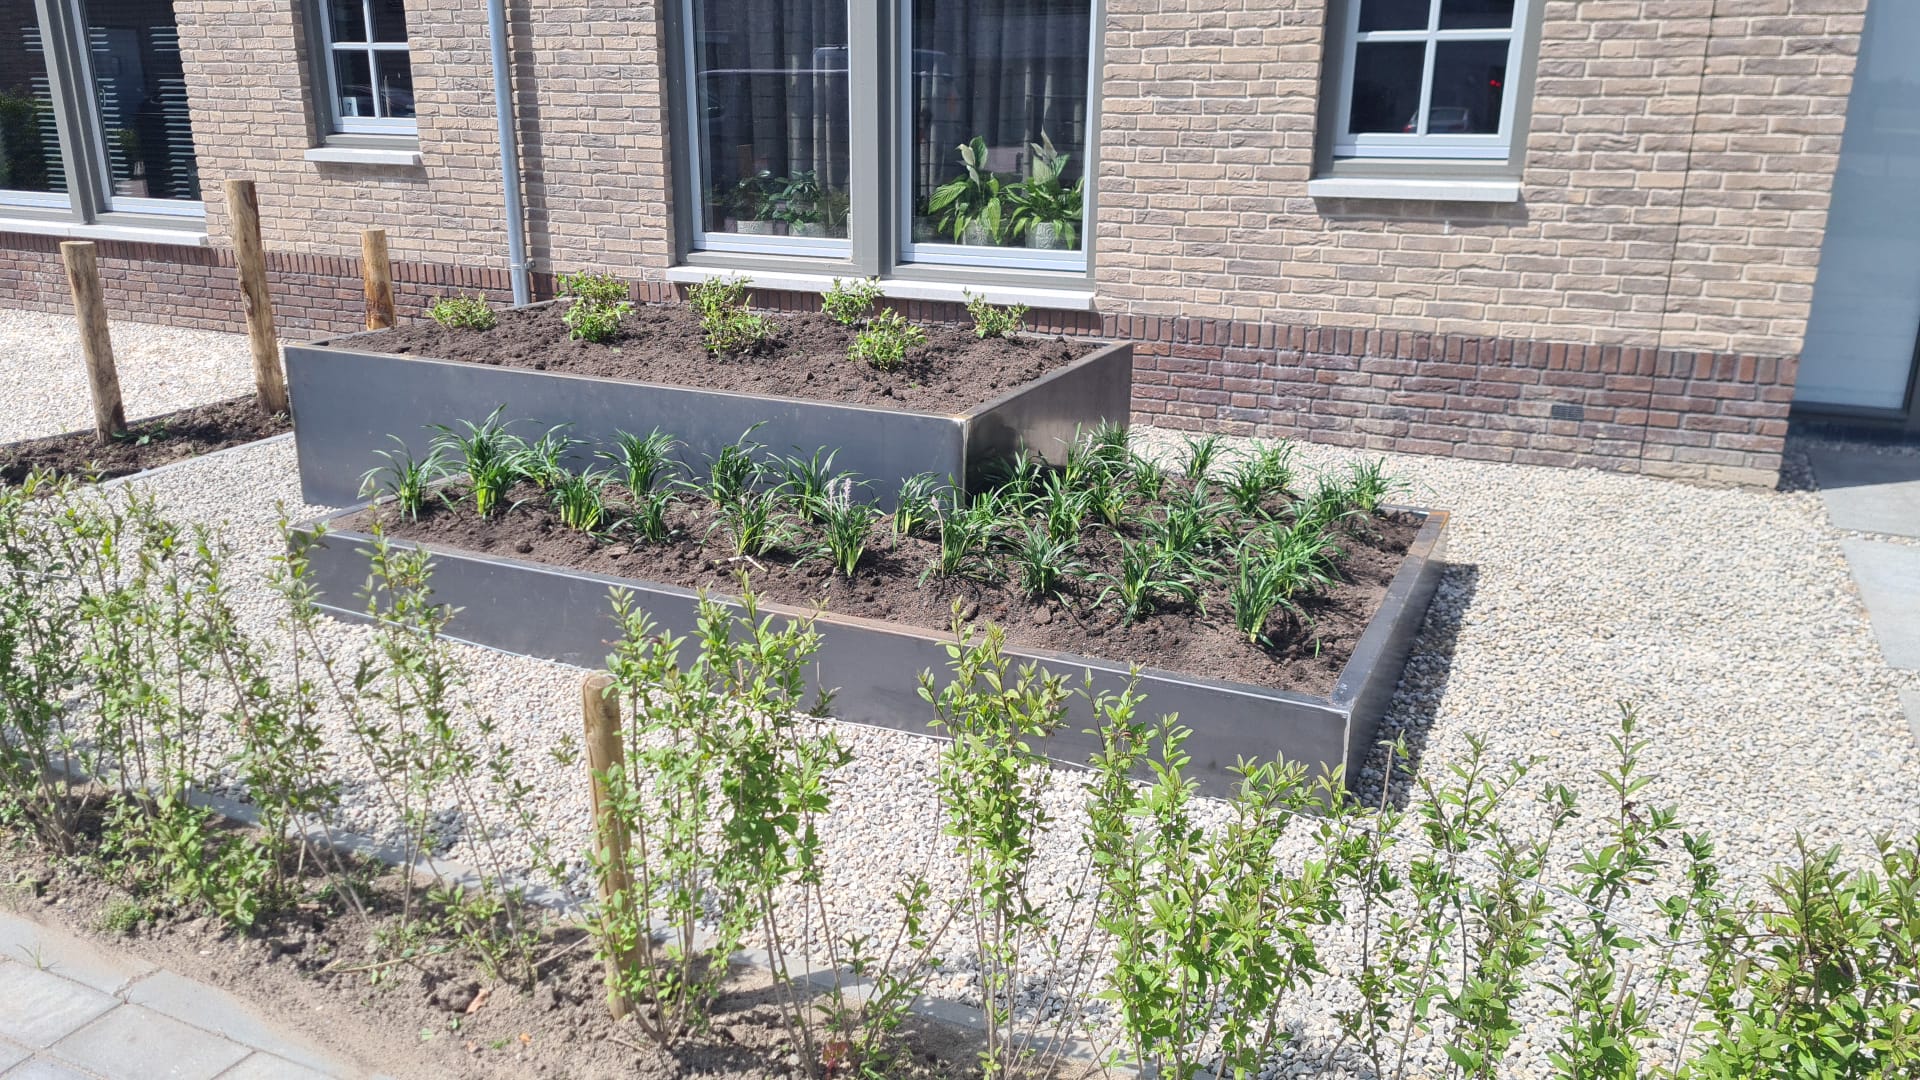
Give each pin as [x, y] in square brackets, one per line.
[997, 139]
[1428, 78]
[368, 64]
[772, 132]
[31, 168]
[140, 92]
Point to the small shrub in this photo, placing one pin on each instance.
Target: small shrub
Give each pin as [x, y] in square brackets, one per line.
[716, 295]
[463, 312]
[721, 304]
[600, 302]
[885, 341]
[589, 287]
[849, 303]
[990, 321]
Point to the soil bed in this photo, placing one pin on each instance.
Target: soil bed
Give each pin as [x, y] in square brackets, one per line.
[146, 444]
[1305, 655]
[660, 343]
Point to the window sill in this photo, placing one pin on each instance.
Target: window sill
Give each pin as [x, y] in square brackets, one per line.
[1367, 187]
[74, 230]
[899, 288]
[364, 156]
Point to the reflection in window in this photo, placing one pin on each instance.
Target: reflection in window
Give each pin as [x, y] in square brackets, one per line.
[30, 158]
[1428, 78]
[371, 70]
[999, 100]
[141, 92]
[770, 78]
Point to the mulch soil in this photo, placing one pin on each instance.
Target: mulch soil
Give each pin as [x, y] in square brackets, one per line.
[660, 343]
[1305, 654]
[146, 444]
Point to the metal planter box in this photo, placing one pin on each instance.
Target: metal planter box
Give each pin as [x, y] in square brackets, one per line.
[531, 609]
[347, 401]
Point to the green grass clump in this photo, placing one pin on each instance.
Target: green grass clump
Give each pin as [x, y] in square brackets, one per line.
[884, 343]
[849, 303]
[404, 477]
[990, 321]
[463, 312]
[581, 499]
[643, 460]
[492, 457]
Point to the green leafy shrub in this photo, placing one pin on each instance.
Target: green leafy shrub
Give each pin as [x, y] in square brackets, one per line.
[990, 321]
[885, 341]
[590, 287]
[600, 302]
[729, 326]
[849, 303]
[463, 312]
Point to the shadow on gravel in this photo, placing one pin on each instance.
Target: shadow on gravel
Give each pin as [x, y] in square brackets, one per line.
[1422, 686]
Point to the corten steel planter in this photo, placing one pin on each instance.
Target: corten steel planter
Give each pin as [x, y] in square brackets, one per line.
[531, 609]
[348, 400]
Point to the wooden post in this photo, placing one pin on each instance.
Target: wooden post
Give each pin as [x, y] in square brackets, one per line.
[606, 757]
[270, 383]
[377, 272]
[96, 344]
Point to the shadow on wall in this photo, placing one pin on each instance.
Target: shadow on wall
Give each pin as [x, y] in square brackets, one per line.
[1423, 684]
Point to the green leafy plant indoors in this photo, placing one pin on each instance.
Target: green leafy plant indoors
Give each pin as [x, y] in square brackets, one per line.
[407, 479]
[974, 201]
[463, 312]
[491, 456]
[600, 302]
[992, 321]
[847, 303]
[884, 343]
[580, 500]
[1042, 199]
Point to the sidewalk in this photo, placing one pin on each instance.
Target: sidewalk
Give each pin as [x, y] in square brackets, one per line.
[1873, 494]
[71, 1009]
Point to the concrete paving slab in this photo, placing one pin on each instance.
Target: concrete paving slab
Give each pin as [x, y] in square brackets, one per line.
[38, 1008]
[1869, 492]
[262, 1066]
[1910, 701]
[11, 1055]
[1888, 576]
[25, 940]
[134, 1043]
[214, 1010]
[43, 1069]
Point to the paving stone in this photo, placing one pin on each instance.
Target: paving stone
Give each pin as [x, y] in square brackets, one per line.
[43, 1069]
[25, 940]
[135, 1043]
[264, 1066]
[214, 1010]
[39, 1009]
[1910, 701]
[1888, 576]
[1869, 492]
[11, 1055]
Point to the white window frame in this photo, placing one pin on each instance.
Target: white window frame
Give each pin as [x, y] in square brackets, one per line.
[1420, 144]
[341, 123]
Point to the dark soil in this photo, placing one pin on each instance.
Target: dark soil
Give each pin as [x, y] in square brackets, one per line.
[146, 444]
[1304, 655]
[661, 343]
[316, 970]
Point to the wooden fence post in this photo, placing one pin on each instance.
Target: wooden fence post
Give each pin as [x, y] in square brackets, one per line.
[605, 757]
[377, 273]
[96, 343]
[270, 383]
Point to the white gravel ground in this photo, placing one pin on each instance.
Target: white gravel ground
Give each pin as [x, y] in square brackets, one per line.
[1727, 615]
[162, 368]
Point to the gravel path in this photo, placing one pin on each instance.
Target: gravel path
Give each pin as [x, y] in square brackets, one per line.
[162, 368]
[1727, 615]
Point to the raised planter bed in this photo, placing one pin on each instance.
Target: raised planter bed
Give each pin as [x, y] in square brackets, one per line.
[534, 609]
[150, 443]
[350, 394]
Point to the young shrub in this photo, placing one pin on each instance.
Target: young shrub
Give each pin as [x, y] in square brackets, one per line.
[884, 343]
[1042, 563]
[849, 303]
[600, 301]
[845, 527]
[590, 287]
[729, 326]
[491, 456]
[917, 505]
[643, 460]
[717, 295]
[407, 479]
[580, 499]
[990, 321]
[463, 312]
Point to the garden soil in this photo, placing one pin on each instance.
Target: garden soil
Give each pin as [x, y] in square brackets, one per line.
[146, 444]
[807, 358]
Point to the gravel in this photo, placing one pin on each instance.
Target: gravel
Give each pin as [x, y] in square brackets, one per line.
[162, 368]
[1726, 615]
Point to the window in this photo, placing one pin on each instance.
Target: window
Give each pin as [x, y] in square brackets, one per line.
[987, 102]
[93, 110]
[1428, 78]
[367, 66]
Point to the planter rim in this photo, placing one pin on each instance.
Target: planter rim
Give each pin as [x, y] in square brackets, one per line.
[1367, 651]
[1100, 347]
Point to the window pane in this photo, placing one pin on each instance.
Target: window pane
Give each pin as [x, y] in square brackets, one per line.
[1386, 86]
[1475, 14]
[355, 83]
[389, 20]
[1394, 14]
[1004, 83]
[29, 141]
[771, 79]
[396, 83]
[347, 19]
[141, 92]
[1468, 80]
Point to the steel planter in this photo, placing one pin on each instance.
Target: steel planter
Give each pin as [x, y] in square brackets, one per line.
[348, 401]
[556, 614]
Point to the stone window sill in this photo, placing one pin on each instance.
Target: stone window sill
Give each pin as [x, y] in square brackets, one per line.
[1367, 187]
[900, 288]
[364, 156]
[130, 234]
